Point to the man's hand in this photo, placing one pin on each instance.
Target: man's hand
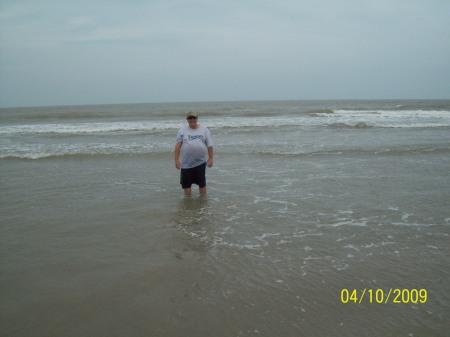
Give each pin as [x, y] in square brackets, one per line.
[177, 155]
[210, 162]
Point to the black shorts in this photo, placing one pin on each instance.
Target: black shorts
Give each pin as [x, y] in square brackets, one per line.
[195, 175]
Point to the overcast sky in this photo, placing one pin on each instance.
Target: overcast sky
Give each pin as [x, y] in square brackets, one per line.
[135, 51]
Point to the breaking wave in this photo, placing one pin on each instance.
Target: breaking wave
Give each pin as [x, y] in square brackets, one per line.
[327, 118]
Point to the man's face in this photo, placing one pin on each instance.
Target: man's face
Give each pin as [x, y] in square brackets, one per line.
[192, 120]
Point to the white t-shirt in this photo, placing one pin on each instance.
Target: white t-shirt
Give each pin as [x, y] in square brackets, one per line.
[195, 143]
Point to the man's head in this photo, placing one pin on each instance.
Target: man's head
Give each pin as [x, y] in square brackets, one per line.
[192, 118]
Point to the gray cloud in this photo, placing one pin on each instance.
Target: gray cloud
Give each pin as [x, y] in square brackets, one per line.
[61, 52]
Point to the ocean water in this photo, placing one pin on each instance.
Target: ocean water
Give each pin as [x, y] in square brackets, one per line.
[308, 203]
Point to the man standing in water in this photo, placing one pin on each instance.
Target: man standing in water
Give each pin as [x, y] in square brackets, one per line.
[193, 142]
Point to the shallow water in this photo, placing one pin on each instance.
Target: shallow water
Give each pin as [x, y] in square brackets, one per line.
[105, 243]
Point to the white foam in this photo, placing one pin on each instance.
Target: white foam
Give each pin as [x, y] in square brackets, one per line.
[412, 224]
[89, 128]
[382, 118]
[260, 199]
[391, 118]
[264, 236]
[393, 113]
[220, 242]
[341, 266]
[345, 223]
[283, 202]
[405, 216]
[352, 247]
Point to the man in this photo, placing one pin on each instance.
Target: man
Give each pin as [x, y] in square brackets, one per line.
[193, 142]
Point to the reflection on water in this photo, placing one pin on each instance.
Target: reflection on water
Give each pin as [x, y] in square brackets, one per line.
[195, 222]
[193, 203]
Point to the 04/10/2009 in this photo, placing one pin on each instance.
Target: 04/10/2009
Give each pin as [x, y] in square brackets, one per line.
[381, 296]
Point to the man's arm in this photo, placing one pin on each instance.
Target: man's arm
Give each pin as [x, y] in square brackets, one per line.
[177, 155]
[210, 156]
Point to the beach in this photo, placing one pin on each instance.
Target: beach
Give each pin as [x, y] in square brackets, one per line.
[307, 201]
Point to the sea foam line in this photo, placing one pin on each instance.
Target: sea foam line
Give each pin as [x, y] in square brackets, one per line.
[339, 118]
